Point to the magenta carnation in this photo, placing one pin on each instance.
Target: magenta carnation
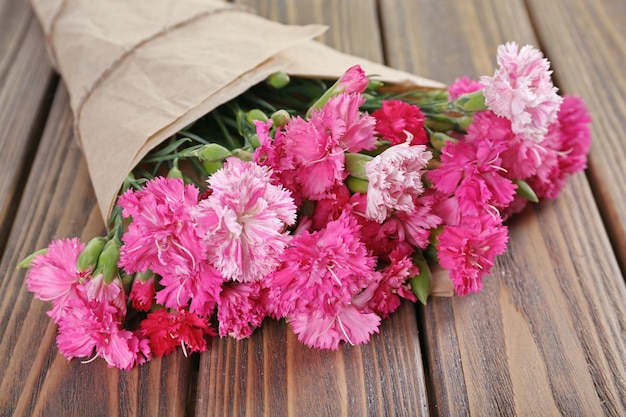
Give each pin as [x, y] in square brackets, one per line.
[468, 250]
[567, 144]
[322, 272]
[241, 308]
[158, 236]
[472, 171]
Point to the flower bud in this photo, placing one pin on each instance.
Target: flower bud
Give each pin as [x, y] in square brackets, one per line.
[278, 80]
[107, 262]
[464, 122]
[439, 140]
[127, 282]
[212, 167]
[353, 80]
[255, 114]
[88, 258]
[212, 152]
[472, 102]
[355, 164]
[280, 118]
[375, 85]
[243, 155]
[253, 140]
[357, 185]
[421, 284]
[525, 191]
[26, 262]
[174, 172]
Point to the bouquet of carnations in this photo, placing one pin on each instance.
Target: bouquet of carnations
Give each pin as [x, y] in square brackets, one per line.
[321, 204]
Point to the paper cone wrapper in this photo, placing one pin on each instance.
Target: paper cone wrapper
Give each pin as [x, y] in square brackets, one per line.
[139, 71]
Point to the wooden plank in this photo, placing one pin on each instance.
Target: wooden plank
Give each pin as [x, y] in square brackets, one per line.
[25, 96]
[15, 17]
[586, 42]
[272, 373]
[546, 335]
[58, 201]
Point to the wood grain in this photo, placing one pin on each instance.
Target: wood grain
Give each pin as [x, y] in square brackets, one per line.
[272, 374]
[26, 79]
[586, 42]
[546, 335]
[58, 201]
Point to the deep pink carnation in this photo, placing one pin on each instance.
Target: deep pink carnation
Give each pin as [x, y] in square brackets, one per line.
[521, 90]
[161, 230]
[142, 294]
[329, 209]
[322, 272]
[394, 285]
[520, 157]
[473, 173]
[468, 250]
[567, 144]
[398, 121]
[402, 231]
[241, 308]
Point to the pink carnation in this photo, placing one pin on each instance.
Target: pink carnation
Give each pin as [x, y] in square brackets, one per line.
[461, 86]
[395, 180]
[402, 231]
[322, 272]
[97, 290]
[90, 327]
[197, 286]
[315, 148]
[53, 276]
[241, 308]
[142, 294]
[468, 250]
[567, 144]
[353, 80]
[521, 90]
[473, 173]
[161, 227]
[394, 285]
[520, 157]
[322, 331]
[242, 222]
[398, 121]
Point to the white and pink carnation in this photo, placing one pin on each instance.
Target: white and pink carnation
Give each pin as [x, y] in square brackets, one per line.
[242, 223]
[395, 180]
[521, 90]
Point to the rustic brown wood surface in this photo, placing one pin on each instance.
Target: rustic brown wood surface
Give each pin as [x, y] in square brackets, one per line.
[547, 336]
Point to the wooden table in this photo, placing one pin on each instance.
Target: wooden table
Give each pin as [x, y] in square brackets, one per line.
[547, 336]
